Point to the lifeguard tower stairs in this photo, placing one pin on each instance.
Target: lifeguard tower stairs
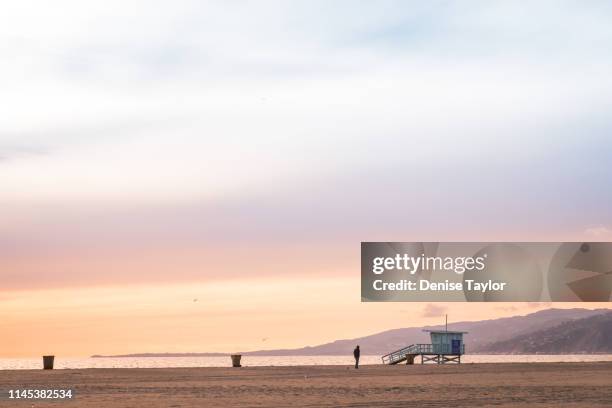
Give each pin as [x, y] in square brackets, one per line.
[445, 347]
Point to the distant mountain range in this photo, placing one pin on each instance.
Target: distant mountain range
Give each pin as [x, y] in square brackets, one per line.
[590, 335]
[551, 331]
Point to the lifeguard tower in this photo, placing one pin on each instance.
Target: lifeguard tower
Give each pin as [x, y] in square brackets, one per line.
[446, 347]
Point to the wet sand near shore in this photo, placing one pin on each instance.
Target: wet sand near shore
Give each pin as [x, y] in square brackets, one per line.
[465, 385]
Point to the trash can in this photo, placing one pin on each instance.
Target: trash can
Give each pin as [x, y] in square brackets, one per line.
[48, 362]
[236, 360]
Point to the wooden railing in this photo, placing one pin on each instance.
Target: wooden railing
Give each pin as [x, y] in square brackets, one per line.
[400, 355]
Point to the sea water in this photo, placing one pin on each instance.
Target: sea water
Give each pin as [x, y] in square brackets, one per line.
[254, 361]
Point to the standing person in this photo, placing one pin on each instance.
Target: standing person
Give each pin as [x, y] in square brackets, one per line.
[356, 354]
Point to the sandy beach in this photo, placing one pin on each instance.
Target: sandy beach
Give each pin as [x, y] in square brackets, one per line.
[465, 385]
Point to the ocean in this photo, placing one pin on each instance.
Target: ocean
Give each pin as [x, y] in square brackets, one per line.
[253, 361]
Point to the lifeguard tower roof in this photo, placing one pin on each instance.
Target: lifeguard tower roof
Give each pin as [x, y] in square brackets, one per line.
[445, 331]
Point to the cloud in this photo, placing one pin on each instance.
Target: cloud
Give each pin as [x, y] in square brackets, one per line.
[598, 232]
[507, 308]
[433, 310]
[538, 305]
[328, 71]
[14, 152]
[378, 118]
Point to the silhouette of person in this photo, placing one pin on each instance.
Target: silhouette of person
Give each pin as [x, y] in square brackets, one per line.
[356, 354]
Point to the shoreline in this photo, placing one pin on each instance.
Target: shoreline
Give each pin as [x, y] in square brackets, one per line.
[304, 366]
[63, 362]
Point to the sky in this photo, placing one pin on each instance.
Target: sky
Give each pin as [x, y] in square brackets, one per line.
[197, 176]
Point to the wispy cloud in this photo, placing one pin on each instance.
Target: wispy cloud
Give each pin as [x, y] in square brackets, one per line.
[8, 152]
[274, 122]
[599, 232]
[507, 308]
[538, 305]
[433, 310]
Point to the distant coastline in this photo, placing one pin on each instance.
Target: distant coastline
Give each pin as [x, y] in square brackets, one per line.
[162, 355]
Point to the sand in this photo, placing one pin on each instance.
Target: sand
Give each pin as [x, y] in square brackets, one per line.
[465, 385]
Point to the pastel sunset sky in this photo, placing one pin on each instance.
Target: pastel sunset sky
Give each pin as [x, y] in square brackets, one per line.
[197, 176]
